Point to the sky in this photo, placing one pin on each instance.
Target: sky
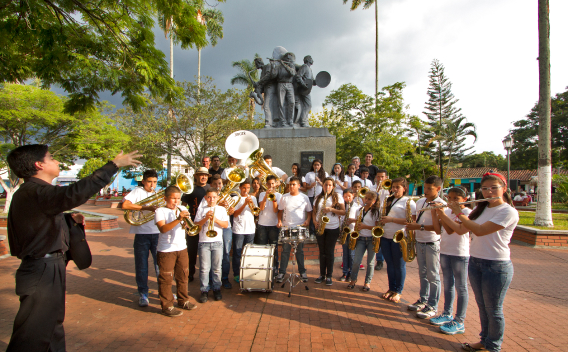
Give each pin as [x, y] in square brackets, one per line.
[489, 49]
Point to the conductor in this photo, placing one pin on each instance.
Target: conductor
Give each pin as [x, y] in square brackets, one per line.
[39, 236]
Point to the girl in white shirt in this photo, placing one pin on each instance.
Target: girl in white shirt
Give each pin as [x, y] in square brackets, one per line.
[350, 177]
[338, 176]
[454, 259]
[490, 270]
[395, 220]
[297, 171]
[313, 182]
[333, 208]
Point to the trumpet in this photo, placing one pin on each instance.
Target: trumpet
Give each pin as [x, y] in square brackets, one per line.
[271, 197]
[211, 229]
[460, 203]
[254, 209]
[191, 229]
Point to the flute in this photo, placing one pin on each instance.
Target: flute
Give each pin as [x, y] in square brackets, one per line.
[460, 203]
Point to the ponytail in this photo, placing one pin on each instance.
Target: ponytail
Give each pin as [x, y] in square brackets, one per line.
[482, 205]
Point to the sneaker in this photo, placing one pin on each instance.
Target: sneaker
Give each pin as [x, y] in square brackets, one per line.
[203, 297]
[175, 297]
[304, 277]
[416, 306]
[379, 265]
[361, 267]
[319, 280]
[188, 306]
[227, 284]
[426, 312]
[280, 277]
[143, 301]
[452, 328]
[237, 279]
[343, 278]
[441, 319]
[217, 295]
[172, 312]
[328, 281]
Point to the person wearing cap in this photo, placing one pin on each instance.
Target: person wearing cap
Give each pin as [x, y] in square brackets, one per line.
[192, 202]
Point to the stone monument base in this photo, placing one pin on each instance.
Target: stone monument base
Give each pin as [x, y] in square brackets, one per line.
[297, 145]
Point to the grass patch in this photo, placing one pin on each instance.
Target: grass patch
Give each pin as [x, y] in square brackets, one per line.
[526, 218]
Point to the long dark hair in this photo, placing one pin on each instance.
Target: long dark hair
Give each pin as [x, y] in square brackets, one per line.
[481, 206]
[376, 206]
[299, 170]
[460, 191]
[341, 176]
[390, 199]
[334, 196]
[321, 172]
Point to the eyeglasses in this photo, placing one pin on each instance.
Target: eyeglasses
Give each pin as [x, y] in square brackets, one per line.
[492, 188]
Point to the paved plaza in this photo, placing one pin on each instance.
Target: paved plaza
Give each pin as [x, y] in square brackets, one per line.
[103, 315]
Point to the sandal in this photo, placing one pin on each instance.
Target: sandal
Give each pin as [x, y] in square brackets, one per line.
[395, 298]
[351, 285]
[366, 288]
[387, 295]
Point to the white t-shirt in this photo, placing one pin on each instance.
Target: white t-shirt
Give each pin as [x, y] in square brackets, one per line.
[173, 240]
[350, 212]
[425, 219]
[350, 180]
[137, 194]
[369, 219]
[495, 246]
[366, 183]
[333, 218]
[455, 244]
[268, 217]
[398, 210]
[295, 209]
[243, 224]
[220, 214]
[338, 189]
[311, 178]
[518, 198]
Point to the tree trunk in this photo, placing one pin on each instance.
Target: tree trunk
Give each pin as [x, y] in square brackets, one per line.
[543, 216]
[9, 193]
[198, 68]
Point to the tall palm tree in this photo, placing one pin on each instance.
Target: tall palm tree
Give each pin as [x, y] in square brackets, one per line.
[245, 67]
[366, 5]
[213, 19]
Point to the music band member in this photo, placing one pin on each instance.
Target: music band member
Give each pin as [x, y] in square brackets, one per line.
[348, 255]
[145, 235]
[211, 218]
[333, 208]
[350, 177]
[232, 164]
[268, 218]
[215, 168]
[313, 182]
[243, 226]
[383, 193]
[294, 209]
[172, 254]
[338, 176]
[39, 236]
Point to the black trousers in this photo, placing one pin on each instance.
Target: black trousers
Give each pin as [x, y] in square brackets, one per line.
[192, 243]
[38, 326]
[326, 244]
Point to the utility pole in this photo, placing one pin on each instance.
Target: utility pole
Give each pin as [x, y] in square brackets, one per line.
[543, 216]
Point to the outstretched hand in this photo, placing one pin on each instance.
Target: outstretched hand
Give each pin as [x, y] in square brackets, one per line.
[122, 160]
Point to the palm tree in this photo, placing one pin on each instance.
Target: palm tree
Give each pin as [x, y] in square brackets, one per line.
[245, 67]
[213, 19]
[367, 4]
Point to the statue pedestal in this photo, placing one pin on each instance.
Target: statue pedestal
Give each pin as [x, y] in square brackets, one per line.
[297, 145]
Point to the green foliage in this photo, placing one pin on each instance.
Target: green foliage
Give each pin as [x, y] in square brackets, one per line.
[355, 3]
[90, 166]
[87, 47]
[485, 159]
[561, 184]
[246, 67]
[525, 136]
[360, 128]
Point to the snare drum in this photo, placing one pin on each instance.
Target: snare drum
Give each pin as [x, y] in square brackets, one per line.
[284, 235]
[256, 267]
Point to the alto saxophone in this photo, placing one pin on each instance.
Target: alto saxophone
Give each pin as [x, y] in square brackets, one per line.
[354, 235]
[378, 231]
[345, 230]
[322, 219]
[407, 243]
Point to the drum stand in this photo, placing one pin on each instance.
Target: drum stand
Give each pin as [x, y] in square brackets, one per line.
[293, 276]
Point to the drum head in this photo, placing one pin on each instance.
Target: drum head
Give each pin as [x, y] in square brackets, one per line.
[323, 78]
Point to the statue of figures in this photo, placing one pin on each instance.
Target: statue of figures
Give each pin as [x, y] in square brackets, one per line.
[303, 83]
[286, 73]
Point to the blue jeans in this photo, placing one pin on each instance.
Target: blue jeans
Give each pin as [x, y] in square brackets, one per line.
[396, 266]
[238, 243]
[454, 270]
[269, 235]
[210, 256]
[364, 244]
[286, 248]
[312, 227]
[379, 256]
[348, 256]
[428, 258]
[489, 281]
[226, 263]
[144, 243]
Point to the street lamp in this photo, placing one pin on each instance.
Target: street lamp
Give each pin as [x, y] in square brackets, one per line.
[508, 145]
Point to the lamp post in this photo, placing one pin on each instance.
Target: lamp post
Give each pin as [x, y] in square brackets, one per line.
[508, 145]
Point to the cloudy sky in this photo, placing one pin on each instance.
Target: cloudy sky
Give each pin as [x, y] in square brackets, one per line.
[488, 47]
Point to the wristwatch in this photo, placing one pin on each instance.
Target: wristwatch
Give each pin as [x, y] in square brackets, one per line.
[422, 227]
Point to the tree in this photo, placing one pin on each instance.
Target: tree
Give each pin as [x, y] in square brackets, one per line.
[448, 127]
[32, 115]
[202, 121]
[91, 166]
[485, 159]
[87, 47]
[359, 128]
[246, 67]
[213, 20]
[524, 154]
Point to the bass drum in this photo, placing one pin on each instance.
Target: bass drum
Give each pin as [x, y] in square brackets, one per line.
[256, 268]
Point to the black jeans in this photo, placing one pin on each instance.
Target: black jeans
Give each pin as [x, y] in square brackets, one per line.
[326, 244]
[38, 326]
[192, 246]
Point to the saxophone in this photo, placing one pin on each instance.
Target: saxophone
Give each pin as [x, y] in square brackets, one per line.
[378, 231]
[345, 230]
[322, 219]
[354, 235]
[407, 243]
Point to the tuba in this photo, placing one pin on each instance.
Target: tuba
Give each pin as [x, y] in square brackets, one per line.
[137, 217]
[407, 243]
[235, 177]
[322, 219]
[255, 162]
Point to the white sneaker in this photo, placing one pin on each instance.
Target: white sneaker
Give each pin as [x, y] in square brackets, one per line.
[280, 277]
[426, 312]
[304, 277]
[417, 306]
[143, 301]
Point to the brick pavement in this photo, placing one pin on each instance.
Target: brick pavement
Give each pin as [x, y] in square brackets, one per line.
[103, 314]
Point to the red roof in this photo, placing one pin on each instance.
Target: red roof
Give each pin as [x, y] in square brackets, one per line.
[522, 175]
